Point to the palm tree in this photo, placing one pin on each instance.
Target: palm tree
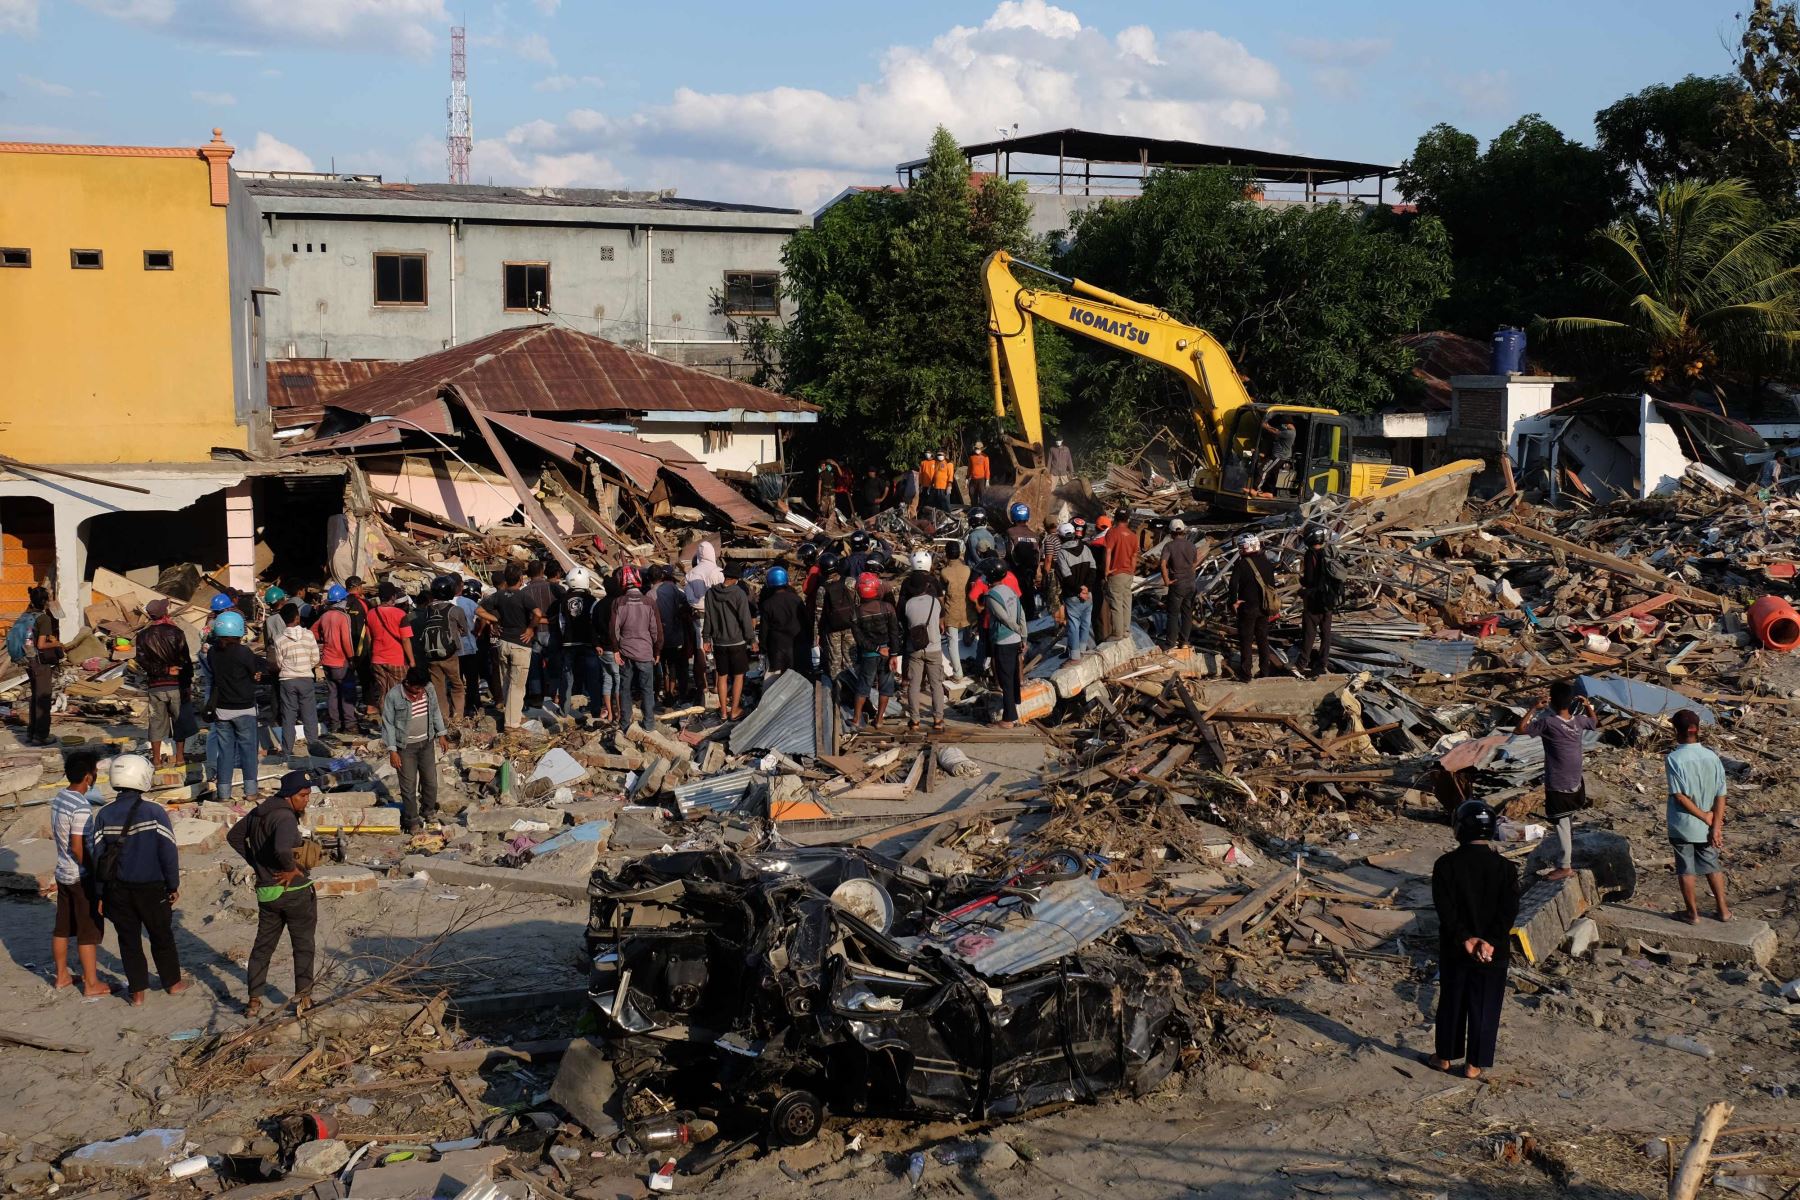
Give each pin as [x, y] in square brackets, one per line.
[1701, 280]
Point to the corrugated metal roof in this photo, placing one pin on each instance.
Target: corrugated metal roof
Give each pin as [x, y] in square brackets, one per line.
[554, 369]
[1067, 916]
[782, 719]
[441, 193]
[299, 383]
[716, 793]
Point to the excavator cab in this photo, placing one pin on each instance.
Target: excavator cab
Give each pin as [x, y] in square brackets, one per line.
[1264, 473]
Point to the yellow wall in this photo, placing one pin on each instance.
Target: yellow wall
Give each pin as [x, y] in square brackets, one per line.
[119, 364]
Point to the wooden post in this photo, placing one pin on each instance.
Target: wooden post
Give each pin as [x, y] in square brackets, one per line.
[1693, 1164]
[534, 512]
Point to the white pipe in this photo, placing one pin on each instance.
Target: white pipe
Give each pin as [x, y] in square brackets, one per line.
[649, 286]
[451, 227]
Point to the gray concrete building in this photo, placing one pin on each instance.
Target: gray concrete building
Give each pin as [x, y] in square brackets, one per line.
[373, 270]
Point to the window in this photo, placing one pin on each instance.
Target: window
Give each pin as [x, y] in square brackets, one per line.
[753, 292]
[159, 260]
[527, 286]
[400, 279]
[321, 247]
[85, 260]
[14, 256]
[606, 254]
[668, 256]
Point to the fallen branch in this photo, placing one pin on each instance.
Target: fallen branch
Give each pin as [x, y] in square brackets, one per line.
[1693, 1163]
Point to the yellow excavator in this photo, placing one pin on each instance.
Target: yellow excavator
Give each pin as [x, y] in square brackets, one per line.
[1254, 458]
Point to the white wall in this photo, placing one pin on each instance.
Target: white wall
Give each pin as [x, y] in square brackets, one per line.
[751, 443]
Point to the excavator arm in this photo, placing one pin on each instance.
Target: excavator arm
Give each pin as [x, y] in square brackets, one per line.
[1143, 330]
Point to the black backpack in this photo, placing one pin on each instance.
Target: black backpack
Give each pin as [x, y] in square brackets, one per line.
[106, 867]
[840, 605]
[431, 632]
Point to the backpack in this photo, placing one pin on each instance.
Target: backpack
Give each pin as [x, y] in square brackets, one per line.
[362, 642]
[431, 634]
[840, 605]
[18, 635]
[106, 868]
[1334, 579]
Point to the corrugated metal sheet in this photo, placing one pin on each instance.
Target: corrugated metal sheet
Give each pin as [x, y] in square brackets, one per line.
[553, 369]
[716, 793]
[1068, 915]
[299, 387]
[782, 719]
[719, 494]
[636, 459]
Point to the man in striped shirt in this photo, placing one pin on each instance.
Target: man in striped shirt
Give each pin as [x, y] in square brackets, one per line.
[412, 729]
[139, 898]
[77, 907]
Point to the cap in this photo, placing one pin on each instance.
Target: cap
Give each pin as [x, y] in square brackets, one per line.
[1065, 530]
[156, 610]
[1178, 526]
[293, 783]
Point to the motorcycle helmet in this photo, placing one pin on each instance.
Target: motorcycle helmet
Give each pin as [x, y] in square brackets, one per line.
[831, 561]
[131, 771]
[1020, 513]
[228, 624]
[220, 602]
[868, 586]
[444, 587]
[1475, 822]
[472, 588]
[579, 579]
[859, 540]
[274, 596]
[1316, 535]
[978, 518]
[993, 570]
[809, 553]
[921, 560]
[778, 576]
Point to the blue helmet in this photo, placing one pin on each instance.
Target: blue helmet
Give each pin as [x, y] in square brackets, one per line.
[1020, 513]
[778, 577]
[221, 602]
[337, 593]
[229, 624]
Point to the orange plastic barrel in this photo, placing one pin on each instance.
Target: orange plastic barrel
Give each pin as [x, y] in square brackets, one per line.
[1775, 623]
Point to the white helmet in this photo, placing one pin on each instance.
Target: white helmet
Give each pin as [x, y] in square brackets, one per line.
[580, 580]
[131, 771]
[1249, 543]
[921, 560]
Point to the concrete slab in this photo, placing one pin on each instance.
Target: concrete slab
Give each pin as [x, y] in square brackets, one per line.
[510, 819]
[1546, 911]
[343, 879]
[1740, 940]
[140, 1155]
[353, 812]
[28, 866]
[197, 835]
[505, 879]
[444, 1178]
[572, 853]
[584, 1085]
[1271, 694]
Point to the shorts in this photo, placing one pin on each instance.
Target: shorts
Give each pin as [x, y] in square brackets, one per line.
[77, 914]
[165, 707]
[868, 674]
[731, 660]
[1559, 804]
[1696, 858]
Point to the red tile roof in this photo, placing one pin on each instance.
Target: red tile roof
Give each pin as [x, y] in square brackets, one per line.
[554, 369]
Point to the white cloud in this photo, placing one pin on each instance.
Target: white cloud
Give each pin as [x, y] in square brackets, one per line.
[19, 17]
[214, 99]
[270, 153]
[565, 83]
[548, 7]
[1030, 62]
[45, 87]
[381, 26]
[535, 47]
[1486, 95]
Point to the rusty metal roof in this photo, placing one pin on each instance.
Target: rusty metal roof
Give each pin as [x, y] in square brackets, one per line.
[299, 387]
[553, 369]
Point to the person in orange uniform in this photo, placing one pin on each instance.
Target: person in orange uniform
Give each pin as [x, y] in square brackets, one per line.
[980, 473]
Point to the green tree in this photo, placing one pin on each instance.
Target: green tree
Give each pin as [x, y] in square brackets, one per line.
[1671, 131]
[1308, 301]
[1519, 216]
[889, 335]
[1768, 105]
[1699, 286]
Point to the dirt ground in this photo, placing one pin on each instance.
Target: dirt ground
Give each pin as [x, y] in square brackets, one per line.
[1316, 1088]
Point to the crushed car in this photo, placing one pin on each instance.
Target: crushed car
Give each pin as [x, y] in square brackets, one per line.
[774, 986]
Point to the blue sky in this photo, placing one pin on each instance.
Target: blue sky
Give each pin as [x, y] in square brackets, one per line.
[790, 101]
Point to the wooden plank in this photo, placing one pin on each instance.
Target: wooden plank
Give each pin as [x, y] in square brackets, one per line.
[978, 802]
[1270, 892]
[17, 1038]
[1618, 566]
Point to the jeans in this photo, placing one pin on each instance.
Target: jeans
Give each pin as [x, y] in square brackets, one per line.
[953, 643]
[1079, 625]
[340, 699]
[1180, 609]
[237, 752]
[637, 681]
[581, 669]
[1006, 672]
[298, 913]
[299, 706]
[515, 666]
[418, 782]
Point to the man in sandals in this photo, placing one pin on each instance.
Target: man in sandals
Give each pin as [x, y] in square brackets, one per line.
[1696, 815]
[1561, 727]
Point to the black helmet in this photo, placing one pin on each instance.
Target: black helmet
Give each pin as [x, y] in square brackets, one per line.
[1316, 535]
[859, 540]
[993, 570]
[444, 587]
[877, 559]
[1475, 822]
[472, 588]
[809, 553]
[977, 517]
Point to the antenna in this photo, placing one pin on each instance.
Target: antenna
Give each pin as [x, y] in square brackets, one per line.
[461, 132]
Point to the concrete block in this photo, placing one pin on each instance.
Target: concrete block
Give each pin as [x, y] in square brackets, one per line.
[343, 879]
[508, 819]
[584, 1086]
[139, 1156]
[572, 853]
[1546, 911]
[1740, 940]
[505, 879]
[441, 1180]
[661, 744]
[197, 836]
[353, 812]
[1582, 935]
[28, 866]
[582, 811]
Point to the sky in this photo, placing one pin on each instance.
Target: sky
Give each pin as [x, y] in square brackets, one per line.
[790, 101]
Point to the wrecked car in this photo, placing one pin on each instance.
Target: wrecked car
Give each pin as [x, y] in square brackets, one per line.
[783, 984]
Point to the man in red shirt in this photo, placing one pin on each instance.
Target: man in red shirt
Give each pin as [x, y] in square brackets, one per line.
[979, 587]
[337, 652]
[1122, 546]
[392, 648]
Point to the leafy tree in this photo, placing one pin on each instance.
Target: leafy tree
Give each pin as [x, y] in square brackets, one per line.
[889, 335]
[1671, 131]
[1698, 286]
[1308, 301]
[1519, 216]
[1768, 105]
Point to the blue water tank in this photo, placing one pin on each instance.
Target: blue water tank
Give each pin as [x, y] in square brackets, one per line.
[1509, 351]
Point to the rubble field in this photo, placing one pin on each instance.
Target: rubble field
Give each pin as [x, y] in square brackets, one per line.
[1172, 936]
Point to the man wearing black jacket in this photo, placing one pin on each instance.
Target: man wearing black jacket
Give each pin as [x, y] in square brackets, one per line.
[1252, 584]
[1476, 893]
[162, 654]
[269, 839]
[730, 637]
[236, 670]
[783, 625]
